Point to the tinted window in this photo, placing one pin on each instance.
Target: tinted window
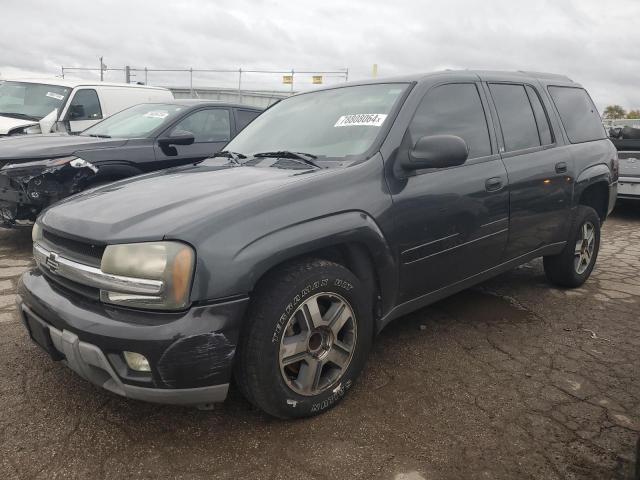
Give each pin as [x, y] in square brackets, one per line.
[207, 125]
[85, 106]
[453, 109]
[244, 118]
[579, 116]
[516, 116]
[541, 117]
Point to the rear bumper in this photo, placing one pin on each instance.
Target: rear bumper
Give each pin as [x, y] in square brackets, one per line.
[190, 353]
[629, 188]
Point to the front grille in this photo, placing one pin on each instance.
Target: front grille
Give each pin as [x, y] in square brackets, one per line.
[84, 252]
[67, 285]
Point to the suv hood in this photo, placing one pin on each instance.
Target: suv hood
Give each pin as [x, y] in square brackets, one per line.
[33, 147]
[9, 123]
[160, 204]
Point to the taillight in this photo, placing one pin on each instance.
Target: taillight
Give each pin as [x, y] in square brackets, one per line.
[615, 167]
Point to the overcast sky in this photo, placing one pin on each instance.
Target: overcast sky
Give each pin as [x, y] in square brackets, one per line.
[596, 43]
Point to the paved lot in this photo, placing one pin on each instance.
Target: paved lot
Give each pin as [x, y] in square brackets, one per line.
[512, 379]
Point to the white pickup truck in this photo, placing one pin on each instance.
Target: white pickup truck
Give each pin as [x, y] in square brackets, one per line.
[56, 105]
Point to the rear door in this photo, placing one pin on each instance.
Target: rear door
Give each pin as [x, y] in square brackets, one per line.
[540, 172]
[451, 223]
[211, 128]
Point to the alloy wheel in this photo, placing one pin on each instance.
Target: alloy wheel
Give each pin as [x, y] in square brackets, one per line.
[585, 245]
[318, 344]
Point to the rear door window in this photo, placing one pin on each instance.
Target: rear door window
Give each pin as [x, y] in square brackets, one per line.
[85, 106]
[518, 123]
[453, 109]
[579, 115]
[244, 118]
[542, 120]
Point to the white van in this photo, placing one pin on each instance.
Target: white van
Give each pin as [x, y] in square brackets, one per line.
[44, 106]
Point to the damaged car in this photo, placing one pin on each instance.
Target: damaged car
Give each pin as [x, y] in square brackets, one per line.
[38, 170]
[335, 212]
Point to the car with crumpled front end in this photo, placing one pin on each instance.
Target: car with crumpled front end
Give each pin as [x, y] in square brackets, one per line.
[39, 170]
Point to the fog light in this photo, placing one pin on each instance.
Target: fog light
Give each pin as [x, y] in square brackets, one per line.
[137, 362]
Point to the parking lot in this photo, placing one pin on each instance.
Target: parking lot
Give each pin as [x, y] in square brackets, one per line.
[511, 379]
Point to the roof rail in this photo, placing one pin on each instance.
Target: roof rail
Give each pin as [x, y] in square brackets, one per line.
[546, 75]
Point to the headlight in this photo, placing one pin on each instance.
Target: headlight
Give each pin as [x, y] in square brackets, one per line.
[36, 233]
[48, 163]
[172, 263]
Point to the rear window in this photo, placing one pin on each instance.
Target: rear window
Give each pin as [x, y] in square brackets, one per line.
[579, 115]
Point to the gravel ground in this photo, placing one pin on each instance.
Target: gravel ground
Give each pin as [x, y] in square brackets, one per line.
[512, 379]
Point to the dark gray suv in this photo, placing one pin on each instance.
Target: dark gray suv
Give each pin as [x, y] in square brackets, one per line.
[334, 212]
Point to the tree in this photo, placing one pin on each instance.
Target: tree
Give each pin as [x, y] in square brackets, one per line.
[633, 114]
[613, 112]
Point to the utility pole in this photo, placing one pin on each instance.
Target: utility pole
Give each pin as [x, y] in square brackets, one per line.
[103, 67]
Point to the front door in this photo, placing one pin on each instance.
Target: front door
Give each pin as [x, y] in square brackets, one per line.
[84, 110]
[451, 223]
[211, 128]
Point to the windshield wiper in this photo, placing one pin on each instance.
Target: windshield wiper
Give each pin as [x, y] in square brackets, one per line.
[234, 157]
[99, 135]
[20, 115]
[307, 158]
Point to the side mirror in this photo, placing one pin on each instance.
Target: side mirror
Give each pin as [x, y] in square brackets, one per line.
[177, 138]
[437, 151]
[76, 112]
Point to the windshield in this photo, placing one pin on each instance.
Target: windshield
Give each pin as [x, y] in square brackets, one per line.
[135, 122]
[332, 123]
[31, 101]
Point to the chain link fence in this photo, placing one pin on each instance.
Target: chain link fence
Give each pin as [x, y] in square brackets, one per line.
[281, 81]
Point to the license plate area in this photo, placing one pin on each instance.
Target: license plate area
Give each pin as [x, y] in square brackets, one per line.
[39, 333]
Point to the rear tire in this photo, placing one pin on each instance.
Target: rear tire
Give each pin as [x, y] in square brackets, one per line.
[571, 267]
[306, 339]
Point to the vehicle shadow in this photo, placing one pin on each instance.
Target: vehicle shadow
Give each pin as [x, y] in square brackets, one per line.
[627, 210]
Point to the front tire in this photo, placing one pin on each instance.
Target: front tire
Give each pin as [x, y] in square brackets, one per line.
[573, 266]
[308, 332]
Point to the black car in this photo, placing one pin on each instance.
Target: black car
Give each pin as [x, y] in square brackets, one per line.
[38, 170]
[332, 214]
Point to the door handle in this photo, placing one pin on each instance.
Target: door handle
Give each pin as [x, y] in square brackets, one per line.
[493, 184]
[561, 167]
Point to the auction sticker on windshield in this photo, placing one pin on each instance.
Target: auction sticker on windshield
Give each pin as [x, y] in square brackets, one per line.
[157, 114]
[57, 96]
[361, 119]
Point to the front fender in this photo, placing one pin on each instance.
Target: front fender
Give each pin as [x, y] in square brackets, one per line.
[117, 170]
[254, 259]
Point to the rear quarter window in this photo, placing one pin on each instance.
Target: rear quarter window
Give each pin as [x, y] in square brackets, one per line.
[578, 114]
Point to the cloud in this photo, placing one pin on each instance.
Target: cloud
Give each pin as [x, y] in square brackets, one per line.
[593, 42]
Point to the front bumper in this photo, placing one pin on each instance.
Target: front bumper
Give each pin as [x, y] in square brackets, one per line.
[629, 188]
[190, 353]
